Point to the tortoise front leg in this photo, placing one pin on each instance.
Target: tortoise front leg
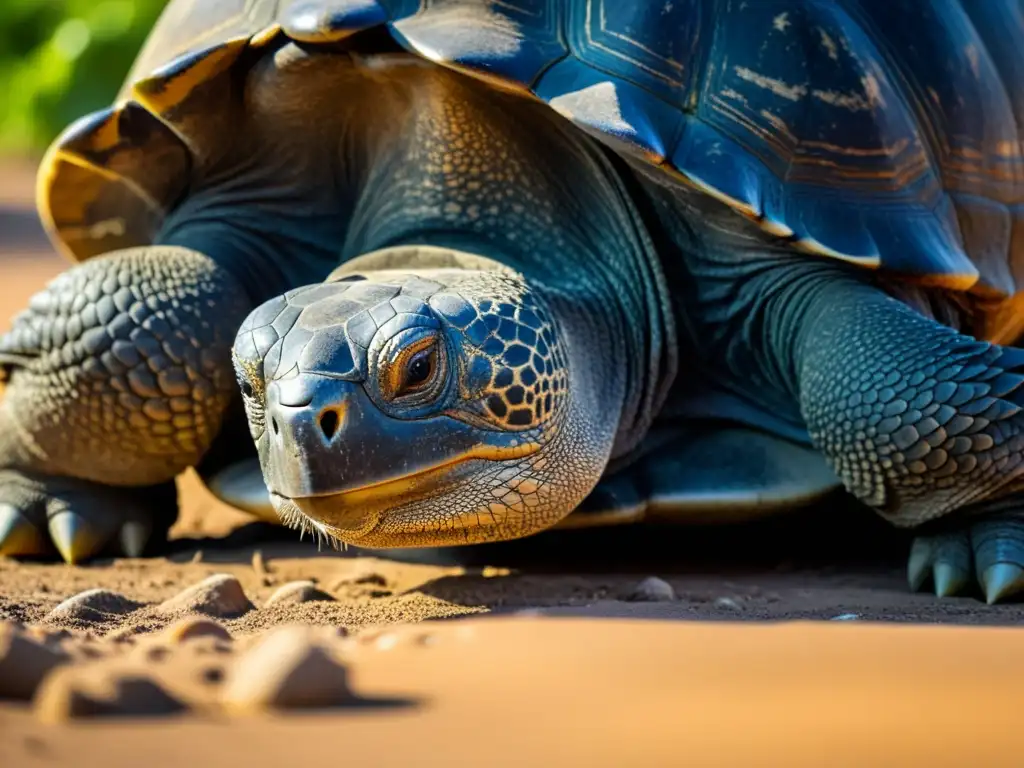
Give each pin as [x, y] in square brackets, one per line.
[919, 421]
[117, 376]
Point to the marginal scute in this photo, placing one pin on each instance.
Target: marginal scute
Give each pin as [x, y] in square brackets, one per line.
[191, 25]
[329, 21]
[109, 180]
[986, 228]
[183, 92]
[830, 228]
[719, 167]
[616, 110]
[510, 45]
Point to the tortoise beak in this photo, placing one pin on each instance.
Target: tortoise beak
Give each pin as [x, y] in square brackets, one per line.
[342, 462]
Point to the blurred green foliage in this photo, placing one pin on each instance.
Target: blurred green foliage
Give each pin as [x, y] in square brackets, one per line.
[61, 59]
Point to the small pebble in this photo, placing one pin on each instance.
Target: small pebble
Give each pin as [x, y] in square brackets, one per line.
[71, 693]
[846, 617]
[212, 675]
[371, 578]
[93, 605]
[727, 602]
[285, 671]
[652, 590]
[23, 663]
[220, 595]
[297, 592]
[193, 628]
[156, 653]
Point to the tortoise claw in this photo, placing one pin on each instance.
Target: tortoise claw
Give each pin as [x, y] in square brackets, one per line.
[75, 537]
[919, 564]
[79, 519]
[949, 579]
[18, 536]
[1001, 581]
[135, 536]
[945, 558]
[999, 556]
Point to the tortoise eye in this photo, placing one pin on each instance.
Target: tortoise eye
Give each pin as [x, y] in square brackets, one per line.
[413, 369]
[419, 370]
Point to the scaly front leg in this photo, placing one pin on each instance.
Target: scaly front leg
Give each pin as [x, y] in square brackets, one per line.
[117, 379]
[919, 421]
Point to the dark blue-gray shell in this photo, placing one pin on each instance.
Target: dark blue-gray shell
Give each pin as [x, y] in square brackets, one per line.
[887, 133]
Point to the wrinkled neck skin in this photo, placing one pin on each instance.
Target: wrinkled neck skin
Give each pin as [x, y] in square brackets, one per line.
[409, 153]
[743, 301]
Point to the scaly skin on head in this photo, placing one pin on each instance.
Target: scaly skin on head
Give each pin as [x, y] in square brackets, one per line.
[426, 407]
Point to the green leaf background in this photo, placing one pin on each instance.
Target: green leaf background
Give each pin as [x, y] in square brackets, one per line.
[61, 59]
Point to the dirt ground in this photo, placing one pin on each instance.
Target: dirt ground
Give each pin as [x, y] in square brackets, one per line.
[573, 661]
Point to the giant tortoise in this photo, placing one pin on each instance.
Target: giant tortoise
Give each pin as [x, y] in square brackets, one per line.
[426, 272]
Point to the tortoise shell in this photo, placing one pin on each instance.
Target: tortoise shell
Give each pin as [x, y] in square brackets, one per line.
[886, 133]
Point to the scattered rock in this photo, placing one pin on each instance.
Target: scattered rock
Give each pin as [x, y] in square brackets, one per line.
[23, 663]
[297, 592]
[846, 617]
[285, 671]
[371, 578]
[212, 675]
[92, 606]
[652, 590]
[156, 653]
[193, 628]
[220, 595]
[728, 602]
[74, 692]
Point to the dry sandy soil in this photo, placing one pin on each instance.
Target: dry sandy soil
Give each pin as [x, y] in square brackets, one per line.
[565, 662]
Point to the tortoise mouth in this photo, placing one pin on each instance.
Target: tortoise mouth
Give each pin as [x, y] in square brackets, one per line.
[355, 512]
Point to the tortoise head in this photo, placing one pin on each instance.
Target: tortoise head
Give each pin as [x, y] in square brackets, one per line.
[416, 407]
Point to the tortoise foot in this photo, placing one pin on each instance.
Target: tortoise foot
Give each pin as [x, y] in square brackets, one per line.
[78, 520]
[989, 553]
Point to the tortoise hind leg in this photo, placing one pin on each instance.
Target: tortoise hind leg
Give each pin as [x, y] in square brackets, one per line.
[709, 472]
[117, 378]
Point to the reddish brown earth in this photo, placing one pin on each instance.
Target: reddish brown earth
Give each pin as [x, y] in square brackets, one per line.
[577, 668]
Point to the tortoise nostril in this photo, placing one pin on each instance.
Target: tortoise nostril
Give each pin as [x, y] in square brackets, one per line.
[329, 423]
[273, 426]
